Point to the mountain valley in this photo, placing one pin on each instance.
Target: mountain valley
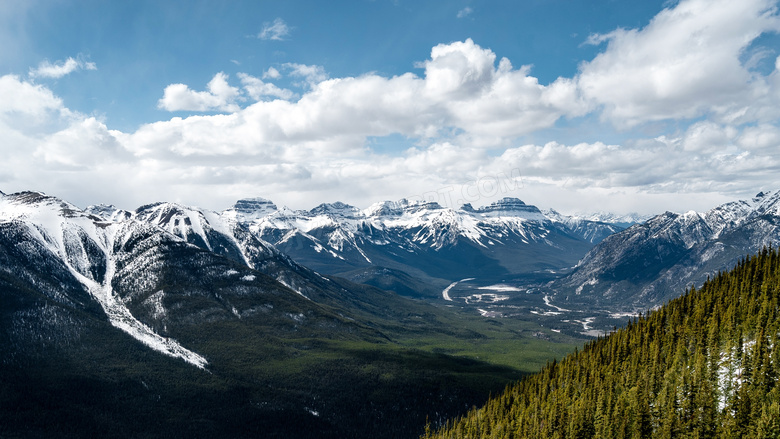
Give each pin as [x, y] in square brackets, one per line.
[703, 365]
[289, 321]
[109, 315]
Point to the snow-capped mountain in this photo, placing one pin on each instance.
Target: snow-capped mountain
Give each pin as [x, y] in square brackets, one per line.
[423, 238]
[654, 261]
[180, 314]
[623, 220]
[150, 273]
[90, 253]
[223, 235]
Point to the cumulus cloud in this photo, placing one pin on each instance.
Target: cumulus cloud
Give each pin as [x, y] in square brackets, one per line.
[685, 63]
[459, 70]
[312, 75]
[26, 98]
[272, 73]
[761, 138]
[59, 69]
[220, 96]
[464, 114]
[84, 144]
[258, 90]
[275, 31]
[464, 90]
[47, 146]
[292, 153]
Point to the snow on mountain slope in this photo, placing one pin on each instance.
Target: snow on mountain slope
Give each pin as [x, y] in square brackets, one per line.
[593, 228]
[624, 220]
[651, 262]
[505, 237]
[85, 244]
[157, 273]
[203, 228]
[225, 235]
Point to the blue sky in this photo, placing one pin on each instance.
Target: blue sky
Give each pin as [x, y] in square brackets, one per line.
[598, 105]
[142, 46]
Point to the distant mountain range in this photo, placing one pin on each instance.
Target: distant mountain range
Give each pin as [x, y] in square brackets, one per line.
[652, 262]
[423, 239]
[418, 248]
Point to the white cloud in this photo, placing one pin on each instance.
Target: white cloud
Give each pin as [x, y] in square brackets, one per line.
[24, 97]
[85, 144]
[708, 138]
[684, 64]
[759, 139]
[598, 39]
[274, 31]
[57, 70]
[465, 12]
[291, 152]
[463, 115]
[459, 70]
[220, 97]
[312, 75]
[272, 73]
[257, 89]
[46, 146]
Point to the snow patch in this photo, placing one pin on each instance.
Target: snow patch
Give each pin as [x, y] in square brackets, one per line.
[292, 288]
[154, 302]
[590, 282]
[486, 313]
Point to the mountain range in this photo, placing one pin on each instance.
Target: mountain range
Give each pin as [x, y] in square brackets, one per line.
[272, 313]
[654, 261]
[431, 243]
[187, 317]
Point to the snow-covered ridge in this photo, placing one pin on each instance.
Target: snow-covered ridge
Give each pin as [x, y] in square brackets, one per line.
[85, 244]
[602, 217]
[343, 226]
[647, 263]
[696, 226]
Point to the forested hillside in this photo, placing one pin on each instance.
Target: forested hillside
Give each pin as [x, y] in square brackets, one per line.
[705, 365]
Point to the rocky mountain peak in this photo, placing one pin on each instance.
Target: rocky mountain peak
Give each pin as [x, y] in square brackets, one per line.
[335, 209]
[108, 212]
[252, 205]
[249, 209]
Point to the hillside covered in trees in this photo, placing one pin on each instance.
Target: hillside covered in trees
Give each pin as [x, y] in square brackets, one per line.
[705, 365]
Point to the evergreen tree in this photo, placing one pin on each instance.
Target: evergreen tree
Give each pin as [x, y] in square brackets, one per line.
[705, 365]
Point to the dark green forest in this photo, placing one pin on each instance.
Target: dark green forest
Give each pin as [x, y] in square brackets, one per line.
[705, 365]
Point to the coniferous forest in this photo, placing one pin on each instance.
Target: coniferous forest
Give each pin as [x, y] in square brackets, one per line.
[705, 365]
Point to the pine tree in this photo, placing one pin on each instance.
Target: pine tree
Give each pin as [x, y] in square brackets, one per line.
[706, 365]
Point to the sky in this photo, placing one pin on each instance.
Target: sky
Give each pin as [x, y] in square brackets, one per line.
[580, 106]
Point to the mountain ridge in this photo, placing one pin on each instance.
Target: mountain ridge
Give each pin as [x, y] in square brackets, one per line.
[648, 263]
[506, 237]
